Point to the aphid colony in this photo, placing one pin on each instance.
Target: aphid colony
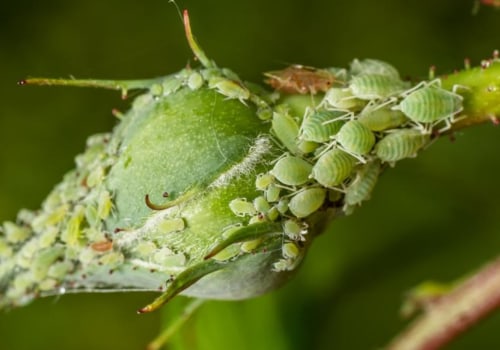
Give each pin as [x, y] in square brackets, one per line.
[208, 174]
[333, 152]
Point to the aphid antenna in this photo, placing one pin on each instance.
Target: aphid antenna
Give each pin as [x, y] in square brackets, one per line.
[198, 52]
[357, 156]
[123, 85]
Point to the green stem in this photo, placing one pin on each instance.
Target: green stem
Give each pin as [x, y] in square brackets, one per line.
[454, 313]
[480, 87]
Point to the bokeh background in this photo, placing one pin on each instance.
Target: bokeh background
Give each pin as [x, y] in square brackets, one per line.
[435, 217]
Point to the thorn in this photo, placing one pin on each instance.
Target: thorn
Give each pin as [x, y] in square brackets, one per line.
[496, 54]
[494, 120]
[432, 72]
[117, 113]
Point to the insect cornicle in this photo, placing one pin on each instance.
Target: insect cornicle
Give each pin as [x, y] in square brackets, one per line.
[265, 173]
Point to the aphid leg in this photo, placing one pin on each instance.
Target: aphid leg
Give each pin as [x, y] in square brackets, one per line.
[244, 234]
[347, 116]
[173, 328]
[184, 280]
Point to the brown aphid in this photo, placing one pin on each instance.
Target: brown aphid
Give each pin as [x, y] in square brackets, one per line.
[298, 79]
[102, 246]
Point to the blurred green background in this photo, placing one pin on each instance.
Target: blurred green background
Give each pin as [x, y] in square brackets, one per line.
[434, 217]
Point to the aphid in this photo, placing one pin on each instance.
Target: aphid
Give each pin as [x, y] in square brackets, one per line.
[171, 225]
[298, 79]
[294, 230]
[230, 88]
[95, 177]
[15, 233]
[195, 80]
[292, 171]
[48, 237]
[379, 119]
[361, 187]
[263, 181]
[314, 127]
[356, 138]
[272, 193]
[5, 249]
[372, 66]
[250, 246]
[112, 259]
[290, 250]
[284, 265]
[342, 99]
[307, 201]
[286, 130]
[333, 167]
[104, 205]
[282, 205]
[44, 259]
[242, 207]
[401, 144]
[72, 234]
[261, 204]
[431, 104]
[375, 86]
[273, 214]
[168, 258]
[59, 269]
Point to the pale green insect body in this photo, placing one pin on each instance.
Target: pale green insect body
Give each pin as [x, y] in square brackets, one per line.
[232, 89]
[292, 171]
[320, 126]
[333, 167]
[356, 138]
[286, 130]
[307, 201]
[361, 187]
[380, 119]
[431, 104]
[373, 66]
[401, 144]
[375, 86]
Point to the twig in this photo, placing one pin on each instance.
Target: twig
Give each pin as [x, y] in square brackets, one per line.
[454, 313]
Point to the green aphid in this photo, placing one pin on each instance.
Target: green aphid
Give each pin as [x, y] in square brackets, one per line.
[232, 89]
[263, 181]
[273, 214]
[44, 259]
[362, 186]
[5, 249]
[294, 229]
[195, 80]
[272, 193]
[307, 146]
[372, 66]
[356, 138]
[375, 86]
[320, 126]
[261, 204]
[242, 207]
[401, 144]
[60, 269]
[95, 177]
[15, 233]
[307, 201]
[112, 259]
[431, 104]
[342, 99]
[104, 205]
[333, 167]
[250, 246]
[171, 225]
[73, 233]
[286, 130]
[292, 171]
[48, 236]
[282, 205]
[50, 218]
[290, 250]
[379, 119]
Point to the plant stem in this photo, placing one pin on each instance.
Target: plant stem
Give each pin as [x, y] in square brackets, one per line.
[454, 313]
